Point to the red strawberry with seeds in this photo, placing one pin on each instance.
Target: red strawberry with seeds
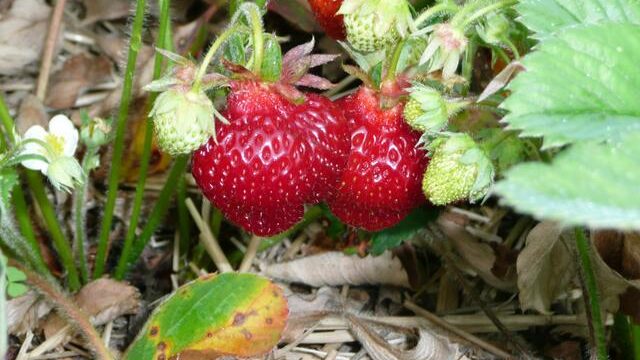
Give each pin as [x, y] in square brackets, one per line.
[382, 181]
[325, 13]
[282, 149]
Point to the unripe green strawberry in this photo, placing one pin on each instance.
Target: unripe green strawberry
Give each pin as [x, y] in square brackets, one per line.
[459, 170]
[374, 24]
[183, 120]
[428, 111]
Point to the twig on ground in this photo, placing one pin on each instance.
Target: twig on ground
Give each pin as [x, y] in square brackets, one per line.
[209, 241]
[463, 334]
[49, 49]
[252, 250]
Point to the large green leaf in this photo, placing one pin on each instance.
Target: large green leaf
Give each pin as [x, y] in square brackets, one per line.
[580, 85]
[589, 184]
[229, 315]
[548, 16]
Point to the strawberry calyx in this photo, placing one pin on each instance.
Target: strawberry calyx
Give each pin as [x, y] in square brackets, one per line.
[294, 72]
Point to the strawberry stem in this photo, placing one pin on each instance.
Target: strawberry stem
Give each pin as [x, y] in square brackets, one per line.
[255, 19]
[486, 10]
[444, 8]
[210, 54]
[393, 63]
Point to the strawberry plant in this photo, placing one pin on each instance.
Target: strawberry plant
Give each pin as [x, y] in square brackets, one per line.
[458, 141]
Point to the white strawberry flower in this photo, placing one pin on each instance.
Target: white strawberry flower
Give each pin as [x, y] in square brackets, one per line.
[55, 151]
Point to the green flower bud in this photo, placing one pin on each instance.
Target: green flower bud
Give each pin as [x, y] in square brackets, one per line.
[428, 111]
[494, 28]
[65, 173]
[96, 133]
[183, 120]
[374, 24]
[459, 169]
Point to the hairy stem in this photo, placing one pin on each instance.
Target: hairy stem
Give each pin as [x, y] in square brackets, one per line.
[18, 196]
[70, 310]
[202, 70]
[443, 8]
[394, 61]
[591, 295]
[19, 245]
[165, 25]
[79, 215]
[258, 41]
[118, 147]
[486, 10]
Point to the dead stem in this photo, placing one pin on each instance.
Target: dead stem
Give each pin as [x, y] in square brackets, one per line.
[47, 55]
[252, 250]
[68, 309]
[454, 329]
[209, 241]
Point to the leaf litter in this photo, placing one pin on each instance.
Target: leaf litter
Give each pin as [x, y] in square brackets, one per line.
[336, 298]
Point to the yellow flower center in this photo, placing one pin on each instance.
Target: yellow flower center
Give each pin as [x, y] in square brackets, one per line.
[56, 143]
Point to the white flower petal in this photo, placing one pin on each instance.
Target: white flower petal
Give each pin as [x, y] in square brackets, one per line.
[61, 126]
[39, 165]
[35, 132]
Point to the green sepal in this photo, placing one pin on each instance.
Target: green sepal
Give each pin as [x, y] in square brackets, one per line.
[235, 49]
[376, 74]
[272, 60]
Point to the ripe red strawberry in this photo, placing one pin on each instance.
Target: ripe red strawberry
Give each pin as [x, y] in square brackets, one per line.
[382, 181]
[325, 12]
[272, 158]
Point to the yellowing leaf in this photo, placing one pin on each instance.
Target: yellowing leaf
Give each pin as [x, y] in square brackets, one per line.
[230, 314]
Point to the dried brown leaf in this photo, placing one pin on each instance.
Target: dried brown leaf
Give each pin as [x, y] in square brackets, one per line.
[30, 113]
[78, 73]
[429, 346]
[98, 10]
[502, 79]
[24, 312]
[477, 255]
[621, 253]
[352, 270]
[545, 267]
[611, 283]
[22, 34]
[103, 300]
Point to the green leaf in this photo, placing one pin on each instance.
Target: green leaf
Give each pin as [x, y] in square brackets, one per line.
[547, 16]
[15, 290]
[408, 227]
[272, 60]
[581, 85]
[589, 184]
[228, 315]
[15, 275]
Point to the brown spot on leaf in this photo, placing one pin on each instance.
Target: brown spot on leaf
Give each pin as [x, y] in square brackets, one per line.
[161, 346]
[239, 319]
[269, 321]
[154, 331]
[247, 334]
[209, 334]
[161, 357]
